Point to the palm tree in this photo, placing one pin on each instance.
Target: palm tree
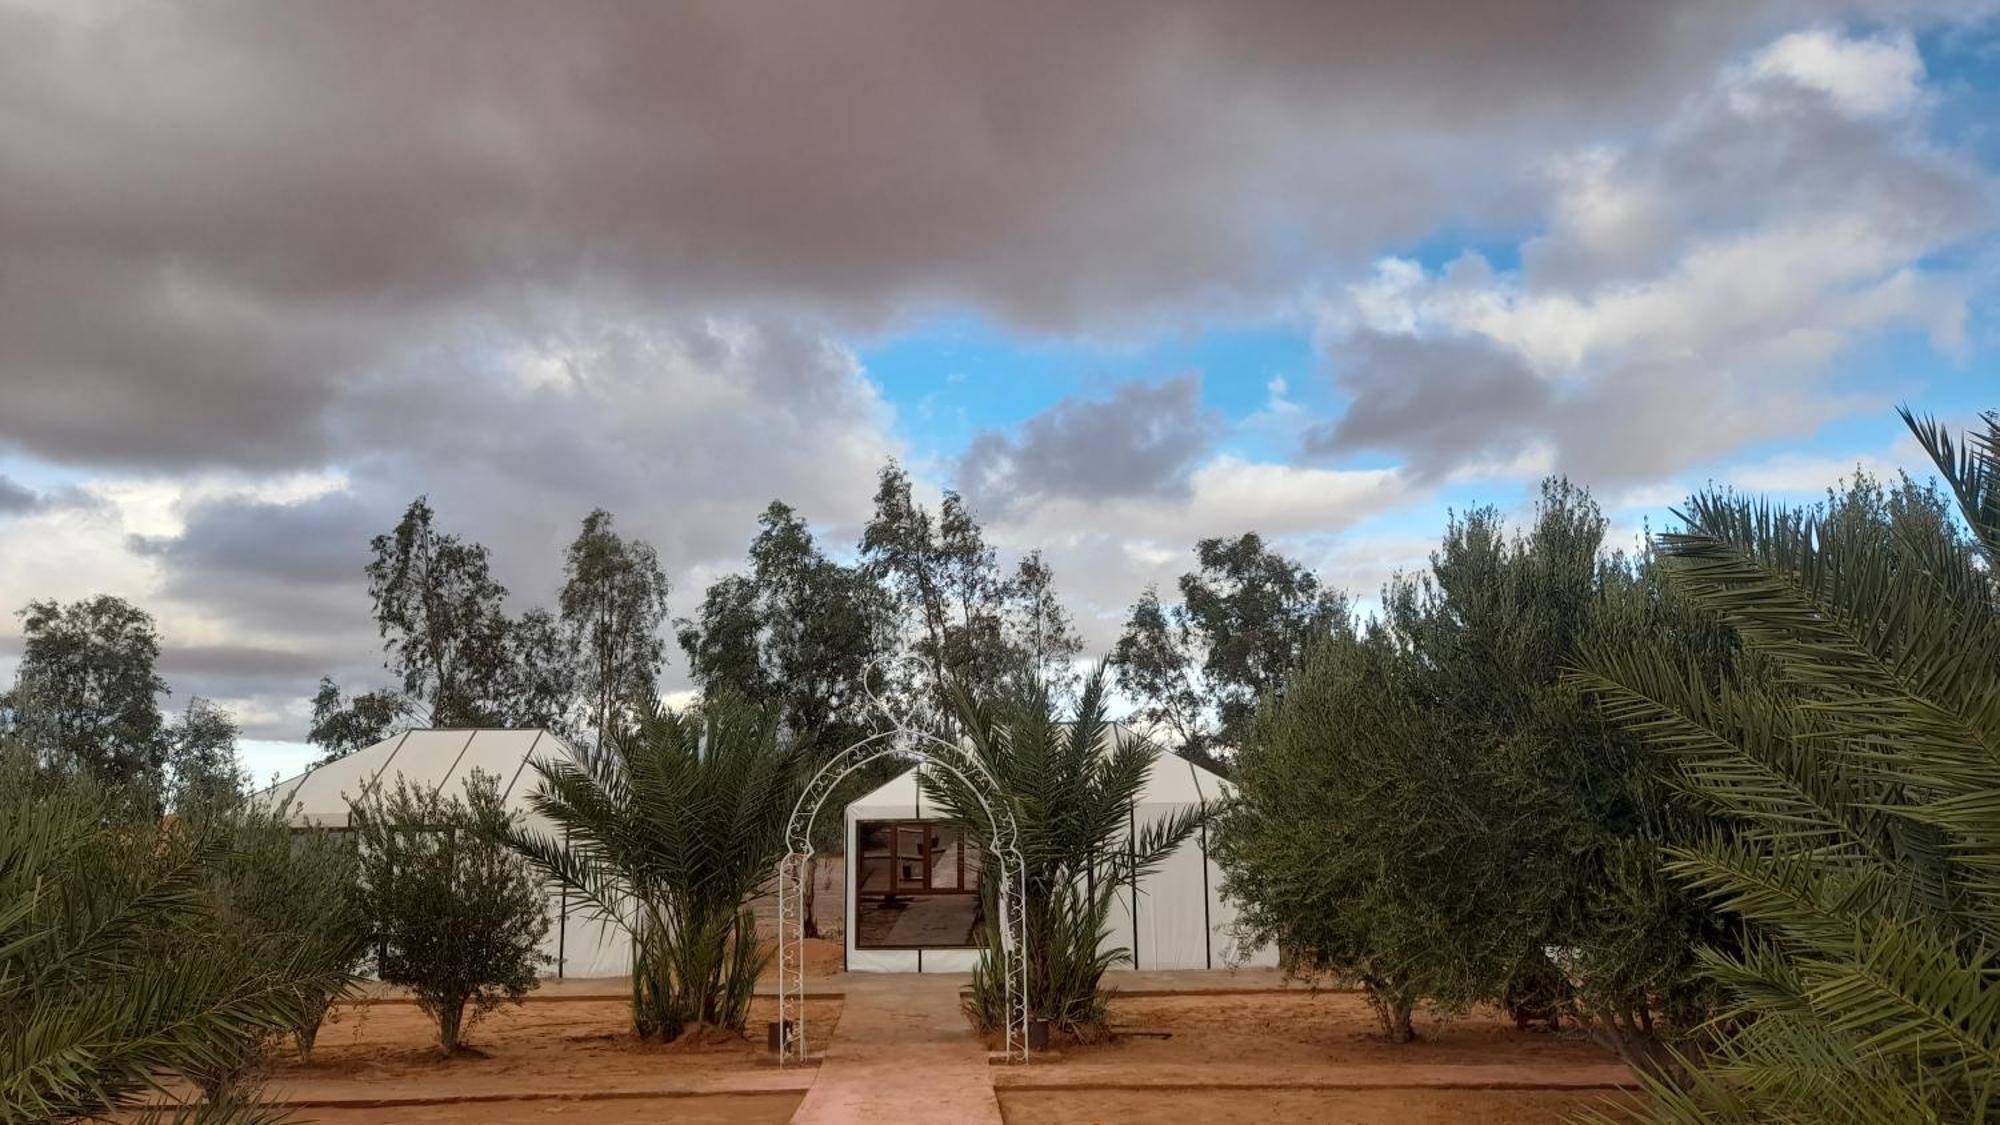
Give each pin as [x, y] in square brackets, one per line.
[1852, 760]
[1071, 788]
[670, 836]
[100, 1004]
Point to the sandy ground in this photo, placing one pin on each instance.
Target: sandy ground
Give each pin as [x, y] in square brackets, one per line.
[1267, 1056]
[709, 1109]
[568, 1052]
[1228, 1054]
[1281, 1107]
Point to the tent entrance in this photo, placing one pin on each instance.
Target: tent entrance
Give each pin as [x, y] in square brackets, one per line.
[928, 865]
[916, 886]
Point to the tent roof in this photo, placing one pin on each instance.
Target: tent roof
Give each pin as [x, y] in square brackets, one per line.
[439, 760]
[1171, 781]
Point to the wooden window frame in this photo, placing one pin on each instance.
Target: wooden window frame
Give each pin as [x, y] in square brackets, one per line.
[894, 828]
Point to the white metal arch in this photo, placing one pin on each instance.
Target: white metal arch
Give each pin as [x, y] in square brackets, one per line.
[924, 749]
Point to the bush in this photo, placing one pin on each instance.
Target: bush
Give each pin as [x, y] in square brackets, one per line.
[1429, 809]
[1850, 771]
[1329, 847]
[297, 889]
[1071, 794]
[458, 918]
[111, 980]
[670, 836]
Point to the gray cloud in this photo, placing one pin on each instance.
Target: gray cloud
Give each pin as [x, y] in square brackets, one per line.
[17, 497]
[224, 219]
[1440, 401]
[684, 431]
[1142, 441]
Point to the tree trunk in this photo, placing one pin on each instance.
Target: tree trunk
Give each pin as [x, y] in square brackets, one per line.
[451, 1023]
[1397, 1019]
[1392, 1004]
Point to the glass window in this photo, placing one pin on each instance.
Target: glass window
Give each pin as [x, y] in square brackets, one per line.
[916, 886]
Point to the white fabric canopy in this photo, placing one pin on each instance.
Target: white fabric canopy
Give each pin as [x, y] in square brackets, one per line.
[1182, 920]
[442, 761]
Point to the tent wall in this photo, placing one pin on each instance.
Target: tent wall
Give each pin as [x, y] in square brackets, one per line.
[1181, 920]
[577, 944]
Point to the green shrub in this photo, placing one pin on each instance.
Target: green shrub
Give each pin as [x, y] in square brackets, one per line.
[112, 981]
[1071, 792]
[669, 837]
[1850, 767]
[458, 918]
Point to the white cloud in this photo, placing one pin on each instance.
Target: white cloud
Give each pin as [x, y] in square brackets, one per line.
[1693, 288]
[1874, 76]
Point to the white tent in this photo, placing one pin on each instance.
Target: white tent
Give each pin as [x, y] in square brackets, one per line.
[1181, 919]
[441, 761]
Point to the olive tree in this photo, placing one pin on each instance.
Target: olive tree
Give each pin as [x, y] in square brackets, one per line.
[458, 917]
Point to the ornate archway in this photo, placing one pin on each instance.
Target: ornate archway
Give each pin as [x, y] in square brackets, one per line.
[1001, 844]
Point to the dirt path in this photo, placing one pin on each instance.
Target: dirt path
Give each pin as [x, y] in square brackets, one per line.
[903, 1052]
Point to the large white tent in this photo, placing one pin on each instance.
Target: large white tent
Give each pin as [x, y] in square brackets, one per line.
[442, 761]
[1178, 920]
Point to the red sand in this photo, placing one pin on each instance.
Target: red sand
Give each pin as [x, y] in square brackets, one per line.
[1256, 1058]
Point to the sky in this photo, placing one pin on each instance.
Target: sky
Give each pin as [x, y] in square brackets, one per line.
[1124, 274]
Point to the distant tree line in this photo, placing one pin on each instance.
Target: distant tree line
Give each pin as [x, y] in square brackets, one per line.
[919, 603]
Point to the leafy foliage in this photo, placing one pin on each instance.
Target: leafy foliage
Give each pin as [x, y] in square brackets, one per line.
[613, 602]
[1330, 848]
[670, 836]
[1245, 620]
[1071, 787]
[458, 918]
[798, 633]
[1431, 811]
[460, 659]
[86, 694]
[967, 621]
[1849, 765]
[201, 765]
[100, 1003]
[341, 725]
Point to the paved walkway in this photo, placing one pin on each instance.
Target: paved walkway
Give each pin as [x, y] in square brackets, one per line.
[902, 1052]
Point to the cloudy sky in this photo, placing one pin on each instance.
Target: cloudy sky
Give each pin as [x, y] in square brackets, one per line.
[1125, 274]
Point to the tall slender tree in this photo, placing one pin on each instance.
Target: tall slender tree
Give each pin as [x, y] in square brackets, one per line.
[1042, 627]
[613, 603]
[965, 619]
[439, 611]
[201, 764]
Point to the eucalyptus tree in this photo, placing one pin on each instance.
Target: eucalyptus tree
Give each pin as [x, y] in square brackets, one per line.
[1042, 627]
[1245, 619]
[613, 603]
[966, 619]
[342, 724]
[200, 753]
[670, 838]
[1071, 782]
[799, 632]
[1848, 758]
[441, 616]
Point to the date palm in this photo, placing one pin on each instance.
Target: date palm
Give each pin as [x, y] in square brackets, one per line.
[1852, 758]
[101, 1007]
[669, 836]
